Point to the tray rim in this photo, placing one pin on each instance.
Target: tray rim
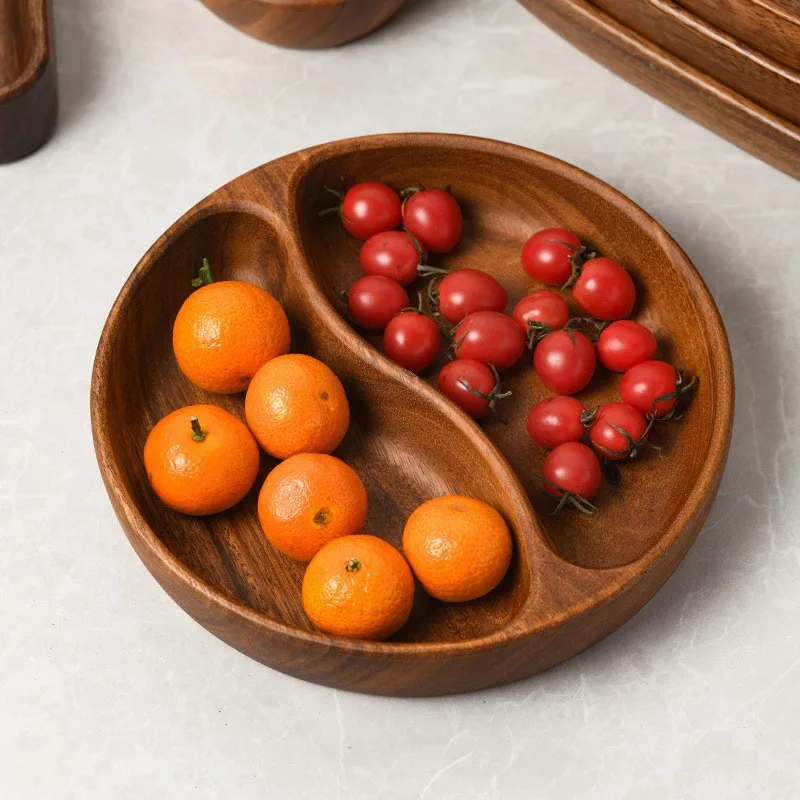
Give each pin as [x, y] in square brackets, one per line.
[623, 577]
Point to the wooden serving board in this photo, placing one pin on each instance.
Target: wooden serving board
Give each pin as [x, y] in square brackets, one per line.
[28, 99]
[760, 78]
[789, 6]
[652, 68]
[763, 26]
[573, 579]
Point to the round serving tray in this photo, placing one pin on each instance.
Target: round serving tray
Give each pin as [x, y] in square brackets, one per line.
[573, 580]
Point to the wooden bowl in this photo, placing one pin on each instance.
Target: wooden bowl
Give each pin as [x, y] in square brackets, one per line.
[28, 99]
[772, 85]
[690, 91]
[761, 24]
[305, 23]
[573, 580]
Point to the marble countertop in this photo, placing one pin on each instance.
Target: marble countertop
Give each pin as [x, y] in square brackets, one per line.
[108, 690]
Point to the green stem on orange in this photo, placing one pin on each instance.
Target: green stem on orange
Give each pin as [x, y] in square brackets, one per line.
[198, 434]
[204, 277]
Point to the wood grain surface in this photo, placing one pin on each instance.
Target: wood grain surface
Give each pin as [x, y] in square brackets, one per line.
[678, 84]
[305, 23]
[789, 6]
[758, 23]
[754, 75]
[573, 580]
[28, 100]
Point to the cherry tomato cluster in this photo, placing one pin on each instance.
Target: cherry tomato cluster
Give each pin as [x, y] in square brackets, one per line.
[469, 309]
[468, 305]
[566, 358]
[392, 259]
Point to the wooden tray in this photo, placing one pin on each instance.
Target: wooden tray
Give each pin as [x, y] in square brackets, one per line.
[305, 23]
[790, 6]
[758, 23]
[763, 80]
[648, 66]
[573, 580]
[28, 100]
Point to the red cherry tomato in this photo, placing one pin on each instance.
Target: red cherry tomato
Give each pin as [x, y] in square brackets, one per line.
[625, 343]
[565, 361]
[555, 421]
[489, 337]
[370, 208]
[392, 254]
[618, 431]
[373, 300]
[643, 383]
[548, 255]
[540, 313]
[604, 290]
[412, 340]
[434, 217]
[471, 385]
[573, 468]
[466, 291]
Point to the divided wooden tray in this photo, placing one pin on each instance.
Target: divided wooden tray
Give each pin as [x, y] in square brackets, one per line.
[305, 23]
[573, 580]
[28, 100]
[637, 59]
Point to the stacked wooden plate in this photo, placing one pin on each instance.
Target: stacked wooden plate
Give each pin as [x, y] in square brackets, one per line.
[732, 65]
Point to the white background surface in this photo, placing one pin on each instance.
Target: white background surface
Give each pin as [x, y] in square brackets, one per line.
[107, 690]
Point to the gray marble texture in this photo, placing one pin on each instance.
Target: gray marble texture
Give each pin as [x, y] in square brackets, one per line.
[107, 690]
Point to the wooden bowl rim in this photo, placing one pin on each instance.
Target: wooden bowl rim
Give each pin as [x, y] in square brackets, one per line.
[37, 64]
[722, 369]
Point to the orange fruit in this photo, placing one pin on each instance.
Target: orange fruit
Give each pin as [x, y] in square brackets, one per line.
[359, 587]
[201, 460]
[458, 547]
[295, 404]
[309, 500]
[225, 332]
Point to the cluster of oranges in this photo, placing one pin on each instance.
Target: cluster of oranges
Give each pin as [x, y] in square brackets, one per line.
[231, 337]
